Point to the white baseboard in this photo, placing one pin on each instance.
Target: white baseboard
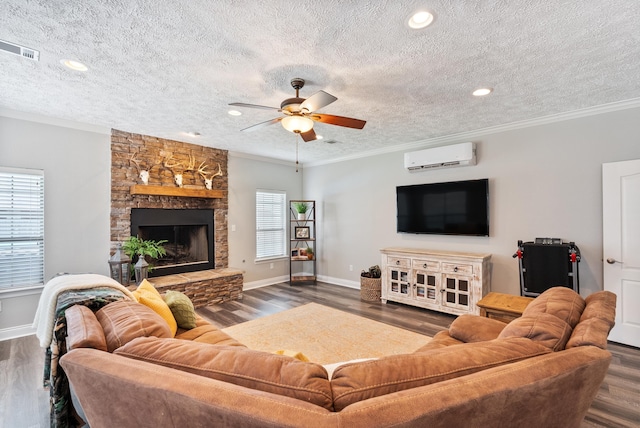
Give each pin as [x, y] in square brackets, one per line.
[15, 332]
[340, 281]
[285, 278]
[265, 282]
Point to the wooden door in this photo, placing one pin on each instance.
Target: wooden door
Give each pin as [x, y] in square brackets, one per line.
[621, 246]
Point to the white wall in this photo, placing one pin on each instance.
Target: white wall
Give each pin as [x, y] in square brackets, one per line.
[545, 181]
[76, 166]
[76, 160]
[246, 175]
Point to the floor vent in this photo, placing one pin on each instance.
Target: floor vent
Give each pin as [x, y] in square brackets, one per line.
[24, 52]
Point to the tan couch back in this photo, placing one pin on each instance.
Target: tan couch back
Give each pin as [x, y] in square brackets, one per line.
[560, 319]
[554, 389]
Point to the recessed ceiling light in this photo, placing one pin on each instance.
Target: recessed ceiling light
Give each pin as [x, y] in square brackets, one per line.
[234, 113]
[481, 92]
[420, 19]
[193, 134]
[74, 65]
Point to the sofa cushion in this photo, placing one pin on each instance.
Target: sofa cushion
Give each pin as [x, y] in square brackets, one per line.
[126, 320]
[83, 329]
[602, 305]
[207, 333]
[181, 308]
[593, 331]
[546, 329]
[562, 302]
[597, 320]
[473, 328]
[441, 339]
[147, 294]
[360, 381]
[258, 370]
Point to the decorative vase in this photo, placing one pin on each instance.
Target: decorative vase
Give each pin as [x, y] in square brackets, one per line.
[302, 216]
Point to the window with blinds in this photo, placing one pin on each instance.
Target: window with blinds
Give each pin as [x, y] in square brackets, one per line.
[271, 232]
[21, 228]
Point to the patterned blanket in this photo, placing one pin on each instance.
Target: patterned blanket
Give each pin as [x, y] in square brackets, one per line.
[61, 414]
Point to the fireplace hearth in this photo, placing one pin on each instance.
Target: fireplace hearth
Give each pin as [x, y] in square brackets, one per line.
[189, 234]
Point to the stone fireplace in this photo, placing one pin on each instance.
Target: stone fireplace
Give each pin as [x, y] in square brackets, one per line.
[191, 266]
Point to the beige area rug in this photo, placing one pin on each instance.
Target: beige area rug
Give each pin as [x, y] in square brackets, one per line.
[325, 335]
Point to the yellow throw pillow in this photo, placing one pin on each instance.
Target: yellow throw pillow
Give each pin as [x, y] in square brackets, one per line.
[293, 354]
[147, 294]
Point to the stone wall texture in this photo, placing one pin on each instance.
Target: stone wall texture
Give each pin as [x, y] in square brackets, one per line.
[150, 152]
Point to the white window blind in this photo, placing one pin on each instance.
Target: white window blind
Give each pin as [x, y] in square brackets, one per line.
[271, 218]
[21, 228]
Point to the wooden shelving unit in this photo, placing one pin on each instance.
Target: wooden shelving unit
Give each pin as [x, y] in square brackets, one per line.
[302, 234]
[141, 189]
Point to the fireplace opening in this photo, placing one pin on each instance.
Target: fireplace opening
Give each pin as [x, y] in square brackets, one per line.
[189, 236]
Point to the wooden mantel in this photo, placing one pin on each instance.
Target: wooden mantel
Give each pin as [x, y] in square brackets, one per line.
[141, 189]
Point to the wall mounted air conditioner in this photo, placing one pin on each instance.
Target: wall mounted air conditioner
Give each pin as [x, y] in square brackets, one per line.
[463, 154]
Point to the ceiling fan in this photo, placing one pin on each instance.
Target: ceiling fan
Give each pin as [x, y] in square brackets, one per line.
[299, 113]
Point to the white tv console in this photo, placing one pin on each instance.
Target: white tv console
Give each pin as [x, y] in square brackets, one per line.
[444, 281]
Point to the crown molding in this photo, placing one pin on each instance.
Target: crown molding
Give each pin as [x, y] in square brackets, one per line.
[261, 158]
[55, 121]
[470, 135]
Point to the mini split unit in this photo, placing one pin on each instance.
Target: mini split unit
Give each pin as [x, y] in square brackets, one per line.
[22, 51]
[463, 154]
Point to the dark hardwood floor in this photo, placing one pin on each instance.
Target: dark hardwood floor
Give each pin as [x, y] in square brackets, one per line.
[24, 403]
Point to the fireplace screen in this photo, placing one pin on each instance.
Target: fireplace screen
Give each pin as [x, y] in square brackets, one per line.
[186, 244]
[189, 236]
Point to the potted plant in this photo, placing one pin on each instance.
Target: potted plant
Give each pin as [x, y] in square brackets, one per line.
[140, 249]
[310, 253]
[371, 284]
[301, 208]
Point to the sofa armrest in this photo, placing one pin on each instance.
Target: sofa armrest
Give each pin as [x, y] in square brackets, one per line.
[84, 329]
[474, 328]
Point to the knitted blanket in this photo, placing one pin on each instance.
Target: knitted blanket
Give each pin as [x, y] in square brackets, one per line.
[45, 314]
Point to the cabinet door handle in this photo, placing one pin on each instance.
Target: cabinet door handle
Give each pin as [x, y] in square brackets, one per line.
[455, 269]
[424, 265]
[397, 262]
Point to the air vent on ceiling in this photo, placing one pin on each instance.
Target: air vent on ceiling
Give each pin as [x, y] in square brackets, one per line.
[24, 52]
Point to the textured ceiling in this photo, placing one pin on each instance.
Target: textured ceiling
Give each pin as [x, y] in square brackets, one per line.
[164, 67]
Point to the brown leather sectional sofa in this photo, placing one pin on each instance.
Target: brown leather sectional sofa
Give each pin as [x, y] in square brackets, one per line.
[542, 369]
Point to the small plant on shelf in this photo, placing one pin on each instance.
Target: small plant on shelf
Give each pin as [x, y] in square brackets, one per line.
[301, 207]
[310, 253]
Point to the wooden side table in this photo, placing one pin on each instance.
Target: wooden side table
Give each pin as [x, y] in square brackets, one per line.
[503, 307]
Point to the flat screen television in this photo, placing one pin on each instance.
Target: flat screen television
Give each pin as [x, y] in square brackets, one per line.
[454, 208]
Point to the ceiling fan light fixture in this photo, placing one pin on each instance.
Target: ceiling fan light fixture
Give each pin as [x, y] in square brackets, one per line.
[297, 124]
[420, 19]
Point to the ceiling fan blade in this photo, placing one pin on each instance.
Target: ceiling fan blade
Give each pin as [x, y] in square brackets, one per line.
[317, 101]
[310, 135]
[348, 122]
[253, 106]
[262, 124]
